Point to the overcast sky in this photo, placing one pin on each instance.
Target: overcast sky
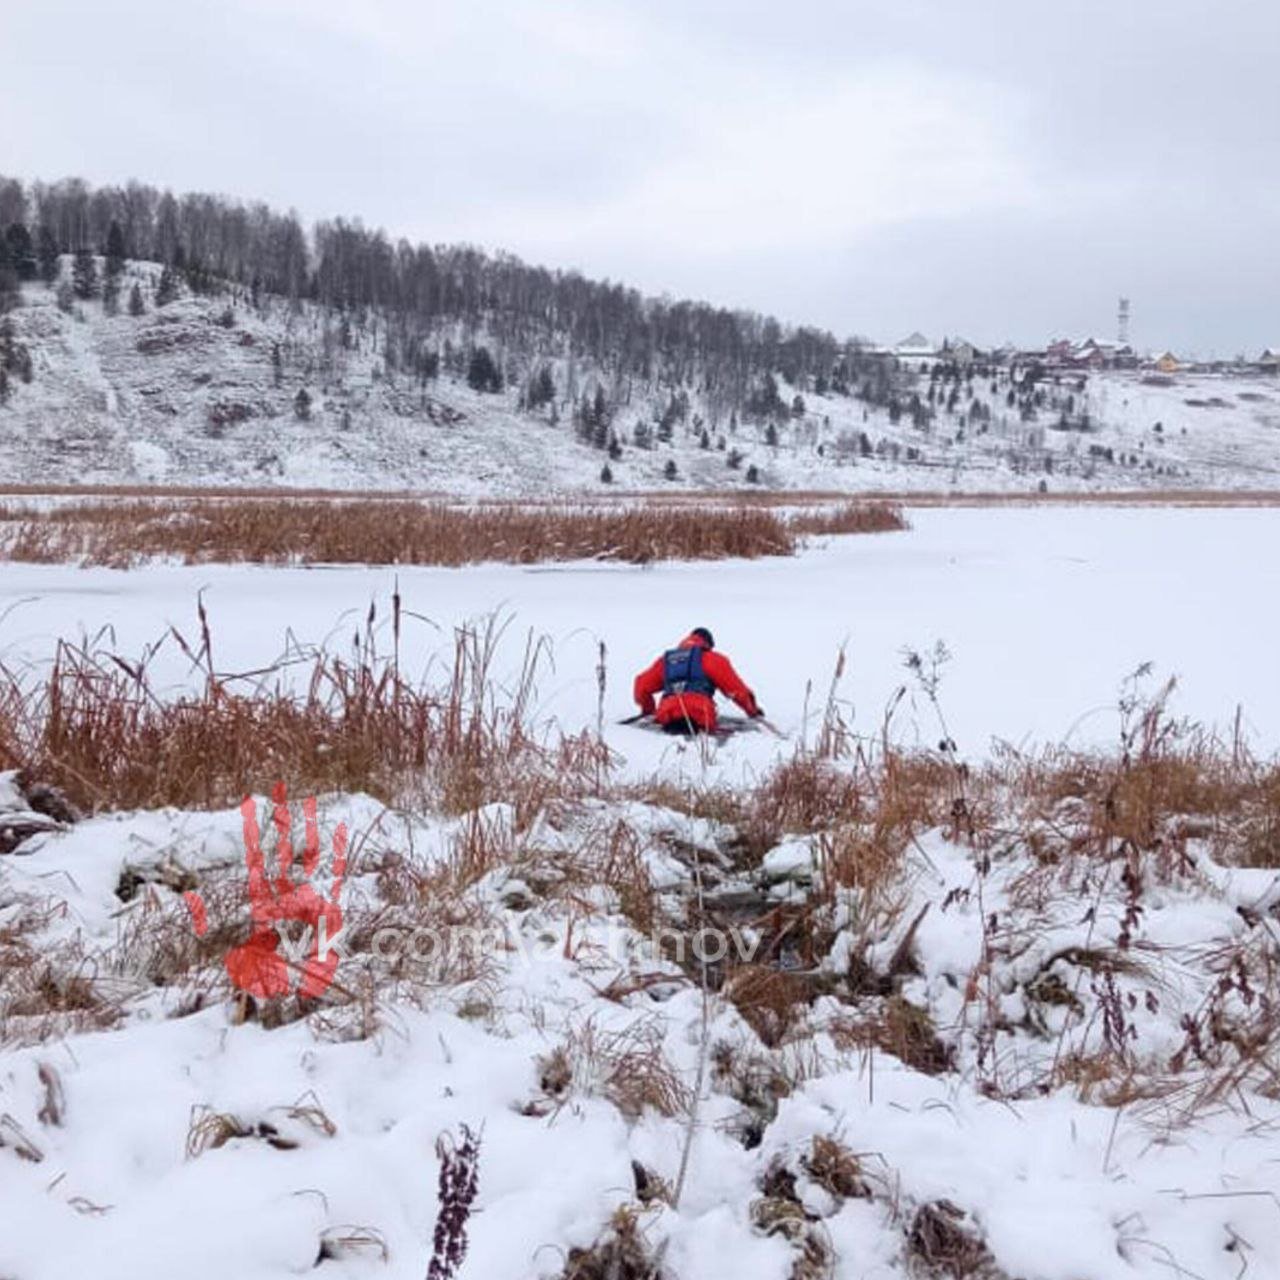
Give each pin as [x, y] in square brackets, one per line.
[997, 169]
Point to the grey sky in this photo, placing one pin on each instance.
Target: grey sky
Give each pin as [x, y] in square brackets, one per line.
[994, 169]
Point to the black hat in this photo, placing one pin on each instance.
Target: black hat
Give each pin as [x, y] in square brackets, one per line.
[703, 634]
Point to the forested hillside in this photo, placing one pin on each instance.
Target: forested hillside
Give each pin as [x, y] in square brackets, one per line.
[148, 337]
[410, 294]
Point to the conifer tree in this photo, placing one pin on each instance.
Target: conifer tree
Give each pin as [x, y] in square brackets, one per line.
[48, 260]
[22, 252]
[482, 372]
[115, 250]
[84, 275]
[167, 289]
[10, 288]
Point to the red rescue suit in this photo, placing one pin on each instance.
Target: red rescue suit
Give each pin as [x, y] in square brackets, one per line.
[688, 678]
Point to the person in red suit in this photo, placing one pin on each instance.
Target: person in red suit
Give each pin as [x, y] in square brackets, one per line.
[688, 677]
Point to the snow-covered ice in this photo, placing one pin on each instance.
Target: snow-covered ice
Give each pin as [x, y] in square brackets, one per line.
[1044, 613]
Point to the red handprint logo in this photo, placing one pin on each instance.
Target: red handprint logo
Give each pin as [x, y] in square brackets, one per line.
[262, 965]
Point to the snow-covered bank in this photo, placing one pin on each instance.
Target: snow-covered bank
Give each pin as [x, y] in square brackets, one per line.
[182, 1137]
[1044, 611]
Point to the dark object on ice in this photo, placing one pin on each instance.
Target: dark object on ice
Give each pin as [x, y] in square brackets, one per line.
[726, 727]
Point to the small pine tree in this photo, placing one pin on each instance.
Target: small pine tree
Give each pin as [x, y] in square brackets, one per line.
[66, 297]
[277, 364]
[22, 251]
[302, 405]
[753, 474]
[734, 460]
[84, 275]
[10, 287]
[197, 278]
[615, 448]
[482, 372]
[584, 420]
[136, 306]
[771, 436]
[4, 385]
[115, 250]
[798, 407]
[167, 289]
[111, 295]
[667, 423]
[606, 475]
[47, 255]
[670, 471]
[704, 441]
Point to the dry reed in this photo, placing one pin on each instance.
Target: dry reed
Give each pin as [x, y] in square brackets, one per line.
[372, 531]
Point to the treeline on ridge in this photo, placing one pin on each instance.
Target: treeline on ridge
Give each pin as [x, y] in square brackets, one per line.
[423, 291]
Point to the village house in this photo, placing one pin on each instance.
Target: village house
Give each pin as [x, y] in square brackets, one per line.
[958, 351]
[915, 352]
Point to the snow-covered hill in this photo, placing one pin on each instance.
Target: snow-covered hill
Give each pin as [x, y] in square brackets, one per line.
[206, 390]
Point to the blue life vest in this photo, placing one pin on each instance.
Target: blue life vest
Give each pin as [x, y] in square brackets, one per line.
[682, 673]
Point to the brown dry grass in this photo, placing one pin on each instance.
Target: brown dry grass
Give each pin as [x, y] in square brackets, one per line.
[95, 728]
[681, 497]
[628, 1067]
[771, 1001]
[942, 1242]
[835, 1169]
[1169, 786]
[370, 531]
[847, 517]
[904, 1030]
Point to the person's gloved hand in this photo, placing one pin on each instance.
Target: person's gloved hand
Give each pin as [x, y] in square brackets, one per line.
[758, 713]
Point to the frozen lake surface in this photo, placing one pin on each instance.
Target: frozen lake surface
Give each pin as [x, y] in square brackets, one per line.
[1044, 612]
